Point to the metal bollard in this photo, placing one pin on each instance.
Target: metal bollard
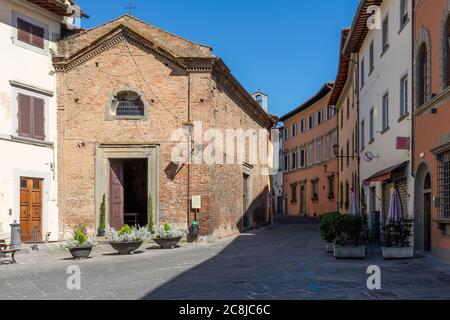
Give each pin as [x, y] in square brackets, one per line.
[35, 246]
[16, 244]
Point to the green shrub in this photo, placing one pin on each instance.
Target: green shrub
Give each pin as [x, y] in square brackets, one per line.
[328, 224]
[126, 229]
[102, 218]
[349, 228]
[397, 233]
[80, 235]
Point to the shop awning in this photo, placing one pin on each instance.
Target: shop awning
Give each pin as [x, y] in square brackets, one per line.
[386, 174]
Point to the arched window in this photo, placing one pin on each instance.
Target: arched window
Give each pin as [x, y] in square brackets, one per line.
[128, 103]
[447, 54]
[422, 75]
[427, 183]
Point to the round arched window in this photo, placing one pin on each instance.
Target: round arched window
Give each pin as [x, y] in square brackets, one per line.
[128, 104]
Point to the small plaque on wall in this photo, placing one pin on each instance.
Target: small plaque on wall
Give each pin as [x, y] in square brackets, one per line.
[196, 202]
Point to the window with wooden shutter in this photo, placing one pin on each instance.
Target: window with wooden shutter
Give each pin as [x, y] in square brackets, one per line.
[31, 117]
[38, 119]
[24, 31]
[24, 116]
[38, 36]
[30, 33]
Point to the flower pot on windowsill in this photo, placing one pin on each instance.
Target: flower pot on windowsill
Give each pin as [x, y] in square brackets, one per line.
[397, 252]
[349, 252]
[330, 196]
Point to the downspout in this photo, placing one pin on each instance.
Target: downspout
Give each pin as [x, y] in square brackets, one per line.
[413, 93]
[190, 154]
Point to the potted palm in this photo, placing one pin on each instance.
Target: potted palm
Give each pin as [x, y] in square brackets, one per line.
[80, 246]
[168, 237]
[328, 229]
[348, 238]
[127, 240]
[396, 239]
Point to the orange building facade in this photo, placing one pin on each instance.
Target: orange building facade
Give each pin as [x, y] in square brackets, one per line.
[432, 126]
[310, 167]
[344, 99]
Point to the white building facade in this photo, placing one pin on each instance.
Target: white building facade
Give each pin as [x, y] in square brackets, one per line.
[385, 100]
[29, 32]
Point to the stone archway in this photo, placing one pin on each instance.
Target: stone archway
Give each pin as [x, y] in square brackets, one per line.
[422, 205]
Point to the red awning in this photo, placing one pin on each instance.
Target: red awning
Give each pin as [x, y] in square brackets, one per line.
[385, 174]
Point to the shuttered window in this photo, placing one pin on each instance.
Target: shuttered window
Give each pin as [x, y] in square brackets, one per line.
[31, 117]
[30, 33]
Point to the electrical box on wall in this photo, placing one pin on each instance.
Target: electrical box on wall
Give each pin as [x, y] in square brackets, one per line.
[196, 202]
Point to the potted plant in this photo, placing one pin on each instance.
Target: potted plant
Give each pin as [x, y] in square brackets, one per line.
[102, 218]
[348, 238]
[80, 246]
[396, 239]
[328, 229]
[167, 237]
[127, 240]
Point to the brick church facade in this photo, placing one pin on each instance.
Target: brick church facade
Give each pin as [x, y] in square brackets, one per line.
[123, 89]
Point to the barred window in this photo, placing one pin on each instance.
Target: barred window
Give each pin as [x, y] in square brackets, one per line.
[444, 184]
[128, 104]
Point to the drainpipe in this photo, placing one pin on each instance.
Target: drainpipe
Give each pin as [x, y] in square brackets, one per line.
[413, 93]
[190, 154]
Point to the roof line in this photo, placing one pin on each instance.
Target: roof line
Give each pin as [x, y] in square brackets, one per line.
[324, 90]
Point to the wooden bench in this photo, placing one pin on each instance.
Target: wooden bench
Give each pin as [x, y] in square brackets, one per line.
[4, 252]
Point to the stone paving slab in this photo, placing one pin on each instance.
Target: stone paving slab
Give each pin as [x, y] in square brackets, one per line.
[285, 261]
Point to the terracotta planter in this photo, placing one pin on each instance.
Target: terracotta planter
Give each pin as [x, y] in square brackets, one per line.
[349, 252]
[125, 248]
[397, 252]
[168, 243]
[80, 253]
[330, 247]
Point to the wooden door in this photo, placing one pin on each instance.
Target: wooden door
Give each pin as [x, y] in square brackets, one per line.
[30, 209]
[116, 195]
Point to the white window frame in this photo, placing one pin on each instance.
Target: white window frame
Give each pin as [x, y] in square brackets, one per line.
[15, 39]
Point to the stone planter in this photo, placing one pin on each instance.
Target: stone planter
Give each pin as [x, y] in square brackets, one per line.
[168, 243]
[397, 252]
[330, 247]
[125, 248]
[349, 252]
[80, 253]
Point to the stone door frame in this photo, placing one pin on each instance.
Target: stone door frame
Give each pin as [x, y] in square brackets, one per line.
[105, 152]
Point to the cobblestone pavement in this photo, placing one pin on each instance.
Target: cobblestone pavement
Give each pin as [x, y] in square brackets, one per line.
[284, 261]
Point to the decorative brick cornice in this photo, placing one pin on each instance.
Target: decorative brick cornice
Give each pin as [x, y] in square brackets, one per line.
[63, 64]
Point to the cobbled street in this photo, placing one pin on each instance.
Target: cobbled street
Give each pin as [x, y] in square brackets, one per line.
[284, 261]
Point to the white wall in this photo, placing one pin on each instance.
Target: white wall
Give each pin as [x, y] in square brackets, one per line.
[31, 67]
[389, 69]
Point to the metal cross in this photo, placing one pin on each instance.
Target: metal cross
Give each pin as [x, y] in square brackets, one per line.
[130, 8]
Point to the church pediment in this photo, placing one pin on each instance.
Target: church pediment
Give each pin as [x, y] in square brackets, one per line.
[78, 49]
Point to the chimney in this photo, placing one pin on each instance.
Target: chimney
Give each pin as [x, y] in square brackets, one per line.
[262, 99]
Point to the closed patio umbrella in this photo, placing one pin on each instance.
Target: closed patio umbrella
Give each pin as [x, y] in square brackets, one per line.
[395, 210]
[354, 208]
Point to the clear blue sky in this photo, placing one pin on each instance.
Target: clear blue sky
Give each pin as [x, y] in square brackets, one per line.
[286, 48]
